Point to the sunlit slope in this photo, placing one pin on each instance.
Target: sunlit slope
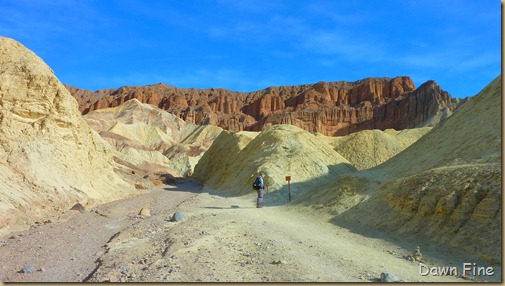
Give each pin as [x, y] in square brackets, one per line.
[232, 162]
[369, 148]
[471, 135]
[446, 188]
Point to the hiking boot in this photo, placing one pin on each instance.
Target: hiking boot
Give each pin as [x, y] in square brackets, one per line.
[259, 206]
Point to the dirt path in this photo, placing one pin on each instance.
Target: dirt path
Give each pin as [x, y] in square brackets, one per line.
[67, 249]
[222, 239]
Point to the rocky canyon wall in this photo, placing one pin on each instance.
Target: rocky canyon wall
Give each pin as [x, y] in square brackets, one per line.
[331, 108]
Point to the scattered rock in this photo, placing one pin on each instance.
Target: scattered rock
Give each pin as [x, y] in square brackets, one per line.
[281, 261]
[28, 269]
[174, 256]
[145, 212]
[157, 182]
[139, 187]
[178, 216]
[78, 207]
[392, 252]
[204, 233]
[42, 269]
[389, 277]
[409, 258]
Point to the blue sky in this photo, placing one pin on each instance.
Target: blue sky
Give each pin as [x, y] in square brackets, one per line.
[250, 45]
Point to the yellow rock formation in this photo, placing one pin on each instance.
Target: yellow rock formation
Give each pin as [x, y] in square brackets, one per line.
[49, 158]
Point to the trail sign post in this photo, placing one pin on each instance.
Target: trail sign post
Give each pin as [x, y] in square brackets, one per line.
[288, 178]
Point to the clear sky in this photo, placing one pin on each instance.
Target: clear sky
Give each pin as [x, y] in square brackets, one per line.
[250, 45]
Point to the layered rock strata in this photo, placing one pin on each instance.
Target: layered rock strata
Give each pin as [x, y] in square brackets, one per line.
[331, 108]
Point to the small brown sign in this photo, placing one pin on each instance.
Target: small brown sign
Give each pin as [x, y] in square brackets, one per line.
[288, 178]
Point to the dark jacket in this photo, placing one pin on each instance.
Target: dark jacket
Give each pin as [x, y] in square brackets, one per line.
[262, 183]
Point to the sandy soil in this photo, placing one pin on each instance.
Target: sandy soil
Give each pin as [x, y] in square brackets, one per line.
[222, 239]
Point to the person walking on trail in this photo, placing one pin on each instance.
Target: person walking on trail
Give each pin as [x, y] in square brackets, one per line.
[259, 186]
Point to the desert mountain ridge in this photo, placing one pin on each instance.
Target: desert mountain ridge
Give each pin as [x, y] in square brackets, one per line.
[331, 108]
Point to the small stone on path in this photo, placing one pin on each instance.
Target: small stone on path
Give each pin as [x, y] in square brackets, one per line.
[28, 269]
[178, 216]
[145, 212]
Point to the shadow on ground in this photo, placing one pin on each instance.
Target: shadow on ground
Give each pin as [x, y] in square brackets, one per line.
[281, 195]
[184, 185]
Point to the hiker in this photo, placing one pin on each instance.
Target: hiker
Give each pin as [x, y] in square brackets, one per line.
[259, 186]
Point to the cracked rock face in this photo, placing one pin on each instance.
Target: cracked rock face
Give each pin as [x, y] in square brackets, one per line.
[49, 158]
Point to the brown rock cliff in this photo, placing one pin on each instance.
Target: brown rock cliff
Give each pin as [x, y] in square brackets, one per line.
[331, 108]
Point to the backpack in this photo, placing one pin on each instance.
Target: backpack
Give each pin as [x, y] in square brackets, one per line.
[257, 184]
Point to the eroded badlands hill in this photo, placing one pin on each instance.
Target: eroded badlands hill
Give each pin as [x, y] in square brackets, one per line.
[147, 138]
[369, 148]
[49, 158]
[235, 158]
[232, 162]
[331, 108]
